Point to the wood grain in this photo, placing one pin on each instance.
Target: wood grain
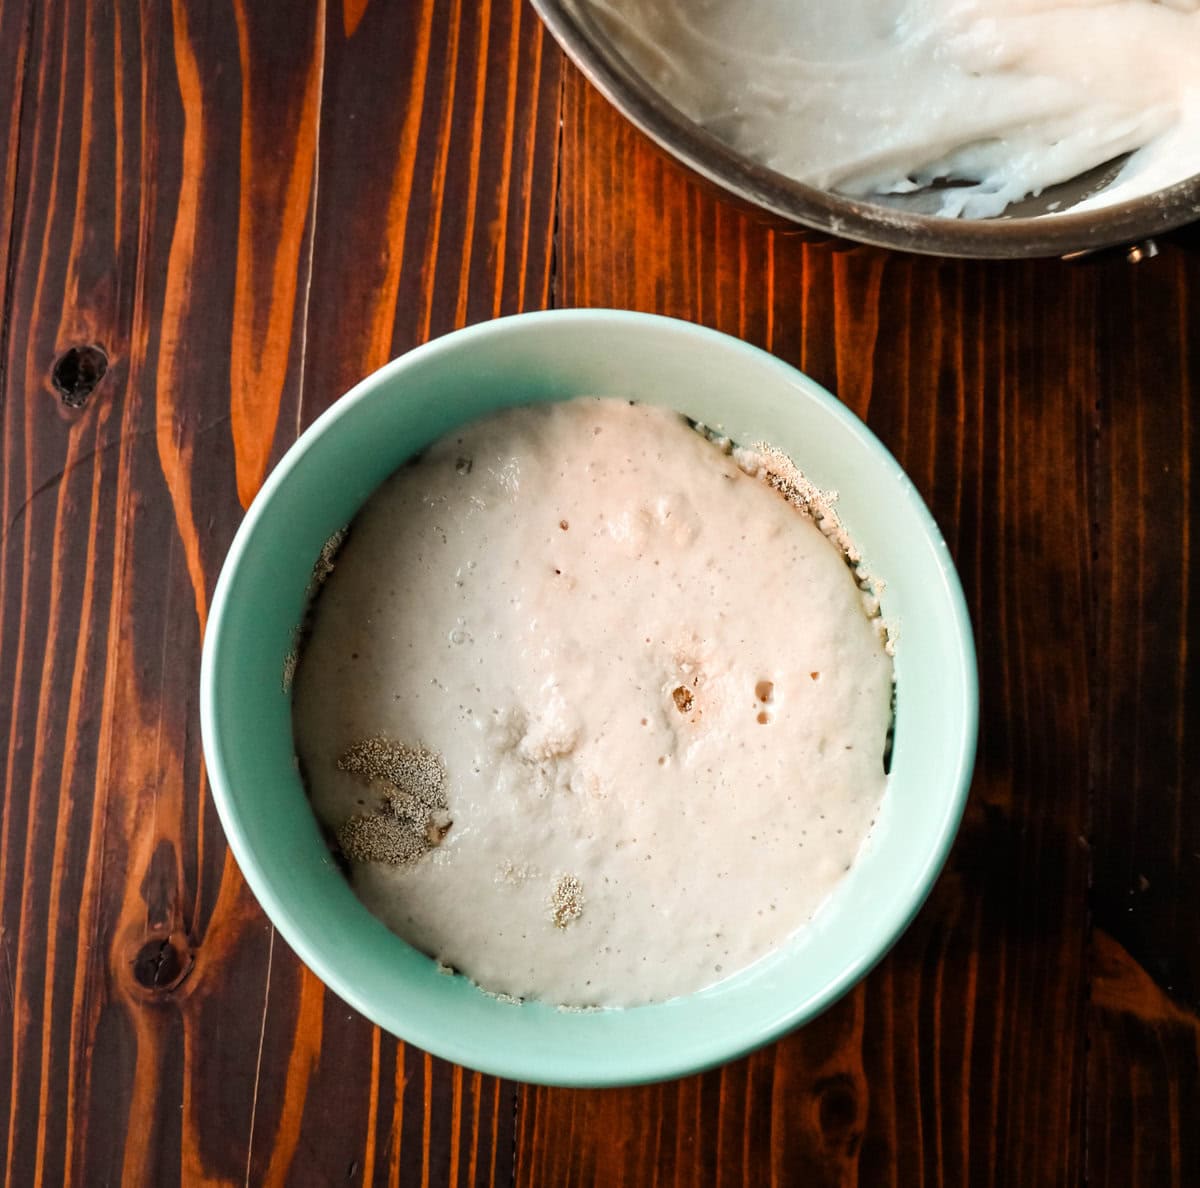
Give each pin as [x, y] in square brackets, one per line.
[15, 32]
[243, 208]
[1145, 1011]
[166, 206]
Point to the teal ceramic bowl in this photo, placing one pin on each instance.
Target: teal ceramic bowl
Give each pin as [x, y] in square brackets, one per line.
[318, 487]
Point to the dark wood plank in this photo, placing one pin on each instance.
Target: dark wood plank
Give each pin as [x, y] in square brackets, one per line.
[193, 198]
[59, 551]
[16, 30]
[462, 146]
[1145, 1012]
[1143, 1076]
[962, 1055]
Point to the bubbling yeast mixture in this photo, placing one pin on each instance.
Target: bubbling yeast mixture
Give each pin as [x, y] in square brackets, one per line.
[878, 97]
[595, 714]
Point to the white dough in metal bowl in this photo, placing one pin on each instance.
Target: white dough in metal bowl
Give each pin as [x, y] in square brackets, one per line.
[871, 98]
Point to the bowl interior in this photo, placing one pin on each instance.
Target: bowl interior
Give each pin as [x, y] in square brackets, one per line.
[317, 489]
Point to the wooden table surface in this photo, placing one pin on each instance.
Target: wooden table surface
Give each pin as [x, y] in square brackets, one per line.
[239, 209]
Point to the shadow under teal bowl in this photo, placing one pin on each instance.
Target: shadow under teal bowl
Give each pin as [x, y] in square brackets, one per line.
[318, 487]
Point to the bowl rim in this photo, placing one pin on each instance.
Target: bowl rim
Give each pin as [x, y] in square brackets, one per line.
[648, 1066]
[1126, 223]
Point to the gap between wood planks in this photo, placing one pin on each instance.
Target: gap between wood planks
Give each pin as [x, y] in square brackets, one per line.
[322, 15]
[262, 1034]
[312, 230]
[556, 211]
[1089, 805]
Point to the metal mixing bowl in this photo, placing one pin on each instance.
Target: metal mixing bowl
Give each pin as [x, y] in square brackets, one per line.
[900, 223]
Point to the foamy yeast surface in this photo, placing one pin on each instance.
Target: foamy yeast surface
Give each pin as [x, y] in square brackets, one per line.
[598, 717]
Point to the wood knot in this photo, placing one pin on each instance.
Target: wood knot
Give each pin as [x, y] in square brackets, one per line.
[838, 1112]
[76, 373]
[162, 963]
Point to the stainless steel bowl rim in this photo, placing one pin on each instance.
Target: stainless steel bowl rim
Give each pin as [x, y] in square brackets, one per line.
[1128, 222]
